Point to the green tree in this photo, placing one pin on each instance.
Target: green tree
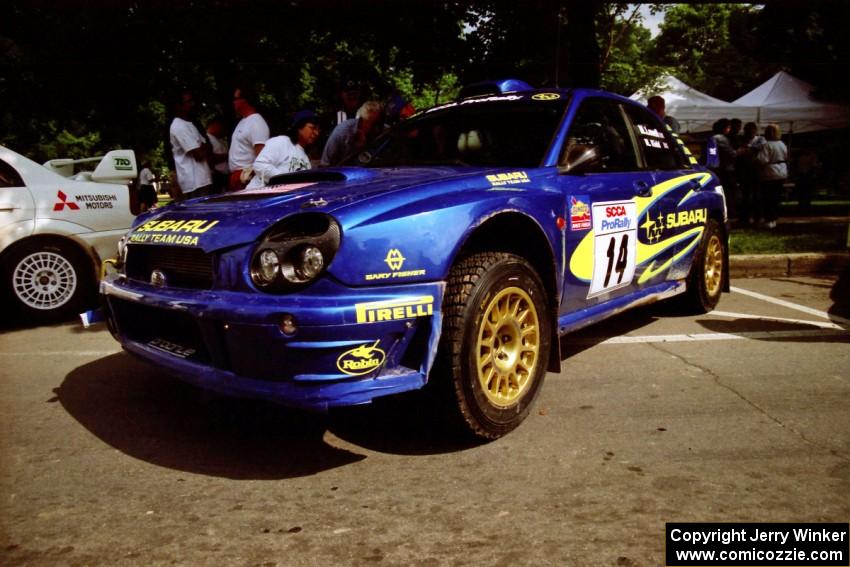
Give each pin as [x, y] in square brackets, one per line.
[624, 42]
[809, 39]
[696, 43]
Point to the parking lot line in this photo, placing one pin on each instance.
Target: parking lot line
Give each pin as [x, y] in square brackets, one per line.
[790, 305]
[696, 337]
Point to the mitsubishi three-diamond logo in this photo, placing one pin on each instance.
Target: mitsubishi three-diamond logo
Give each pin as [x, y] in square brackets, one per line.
[394, 259]
[64, 202]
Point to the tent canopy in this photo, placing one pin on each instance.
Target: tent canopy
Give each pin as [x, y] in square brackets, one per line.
[695, 110]
[786, 100]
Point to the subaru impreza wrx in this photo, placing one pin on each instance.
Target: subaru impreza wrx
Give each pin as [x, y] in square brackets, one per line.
[455, 251]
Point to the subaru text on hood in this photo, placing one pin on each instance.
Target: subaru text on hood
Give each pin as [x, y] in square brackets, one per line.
[455, 251]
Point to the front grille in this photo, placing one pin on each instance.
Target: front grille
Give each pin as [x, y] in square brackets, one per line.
[183, 267]
[153, 326]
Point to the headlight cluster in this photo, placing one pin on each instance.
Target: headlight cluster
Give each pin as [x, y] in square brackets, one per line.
[295, 252]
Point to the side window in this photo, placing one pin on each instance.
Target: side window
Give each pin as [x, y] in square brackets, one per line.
[600, 124]
[659, 148]
[8, 176]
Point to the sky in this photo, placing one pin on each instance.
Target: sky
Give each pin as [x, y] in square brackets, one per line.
[649, 21]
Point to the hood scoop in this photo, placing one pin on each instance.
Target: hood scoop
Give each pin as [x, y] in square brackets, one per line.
[327, 175]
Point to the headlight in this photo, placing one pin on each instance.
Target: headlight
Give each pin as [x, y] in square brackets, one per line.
[295, 252]
[267, 268]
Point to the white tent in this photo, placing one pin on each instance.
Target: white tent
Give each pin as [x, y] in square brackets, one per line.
[695, 110]
[785, 100]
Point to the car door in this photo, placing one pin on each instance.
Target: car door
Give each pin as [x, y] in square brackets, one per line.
[601, 195]
[17, 209]
[672, 219]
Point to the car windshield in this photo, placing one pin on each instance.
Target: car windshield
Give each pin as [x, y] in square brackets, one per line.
[474, 132]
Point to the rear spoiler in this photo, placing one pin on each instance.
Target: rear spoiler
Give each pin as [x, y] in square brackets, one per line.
[117, 165]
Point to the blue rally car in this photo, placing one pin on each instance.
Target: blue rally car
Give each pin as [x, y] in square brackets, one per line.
[456, 250]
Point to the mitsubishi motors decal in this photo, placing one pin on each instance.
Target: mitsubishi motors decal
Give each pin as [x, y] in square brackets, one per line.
[104, 201]
[64, 202]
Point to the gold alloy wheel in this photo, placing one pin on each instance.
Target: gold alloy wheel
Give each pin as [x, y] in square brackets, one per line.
[508, 347]
[713, 266]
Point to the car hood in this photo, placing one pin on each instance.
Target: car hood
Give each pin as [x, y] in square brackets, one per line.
[233, 219]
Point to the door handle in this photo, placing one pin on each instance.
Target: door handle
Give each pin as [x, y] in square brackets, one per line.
[7, 208]
[643, 189]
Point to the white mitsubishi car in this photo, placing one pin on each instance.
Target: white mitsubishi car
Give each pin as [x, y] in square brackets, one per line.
[55, 230]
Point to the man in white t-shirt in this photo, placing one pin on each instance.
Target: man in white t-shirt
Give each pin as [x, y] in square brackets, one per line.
[287, 154]
[248, 138]
[190, 151]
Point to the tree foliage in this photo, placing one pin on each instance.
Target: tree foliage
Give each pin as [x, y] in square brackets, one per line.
[84, 76]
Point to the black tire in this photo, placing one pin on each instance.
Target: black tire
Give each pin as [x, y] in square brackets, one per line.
[495, 342]
[47, 280]
[705, 280]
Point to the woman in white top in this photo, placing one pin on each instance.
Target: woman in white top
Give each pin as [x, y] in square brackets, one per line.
[286, 154]
[772, 156]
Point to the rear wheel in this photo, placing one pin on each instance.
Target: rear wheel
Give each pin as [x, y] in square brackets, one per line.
[47, 281]
[495, 342]
[705, 281]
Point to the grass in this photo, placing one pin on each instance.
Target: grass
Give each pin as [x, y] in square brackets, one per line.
[823, 233]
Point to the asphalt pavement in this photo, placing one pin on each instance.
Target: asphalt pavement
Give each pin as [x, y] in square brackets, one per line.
[737, 415]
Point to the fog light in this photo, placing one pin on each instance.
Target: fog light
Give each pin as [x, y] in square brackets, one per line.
[287, 324]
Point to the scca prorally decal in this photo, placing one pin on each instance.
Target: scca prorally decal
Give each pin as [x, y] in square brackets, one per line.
[361, 360]
[394, 310]
[181, 232]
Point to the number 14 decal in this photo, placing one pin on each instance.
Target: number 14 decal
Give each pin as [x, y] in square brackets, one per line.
[622, 259]
[614, 246]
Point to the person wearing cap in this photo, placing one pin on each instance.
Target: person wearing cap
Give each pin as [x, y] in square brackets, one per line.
[287, 153]
[351, 96]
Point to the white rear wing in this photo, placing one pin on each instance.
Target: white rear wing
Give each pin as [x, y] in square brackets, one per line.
[115, 166]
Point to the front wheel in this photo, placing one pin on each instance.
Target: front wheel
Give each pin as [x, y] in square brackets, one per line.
[495, 343]
[47, 281]
[705, 281]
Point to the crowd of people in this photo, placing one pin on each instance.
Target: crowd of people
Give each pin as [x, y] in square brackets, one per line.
[752, 169]
[204, 163]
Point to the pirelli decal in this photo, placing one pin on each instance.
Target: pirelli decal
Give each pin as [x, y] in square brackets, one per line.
[395, 310]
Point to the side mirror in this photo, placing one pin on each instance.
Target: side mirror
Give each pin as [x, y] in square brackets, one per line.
[580, 159]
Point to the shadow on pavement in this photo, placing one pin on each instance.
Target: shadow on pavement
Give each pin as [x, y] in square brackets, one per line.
[779, 331]
[622, 324]
[407, 424]
[840, 296]
[161, 420]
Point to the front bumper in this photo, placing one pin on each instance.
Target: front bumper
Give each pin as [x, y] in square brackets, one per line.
[351, 344]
